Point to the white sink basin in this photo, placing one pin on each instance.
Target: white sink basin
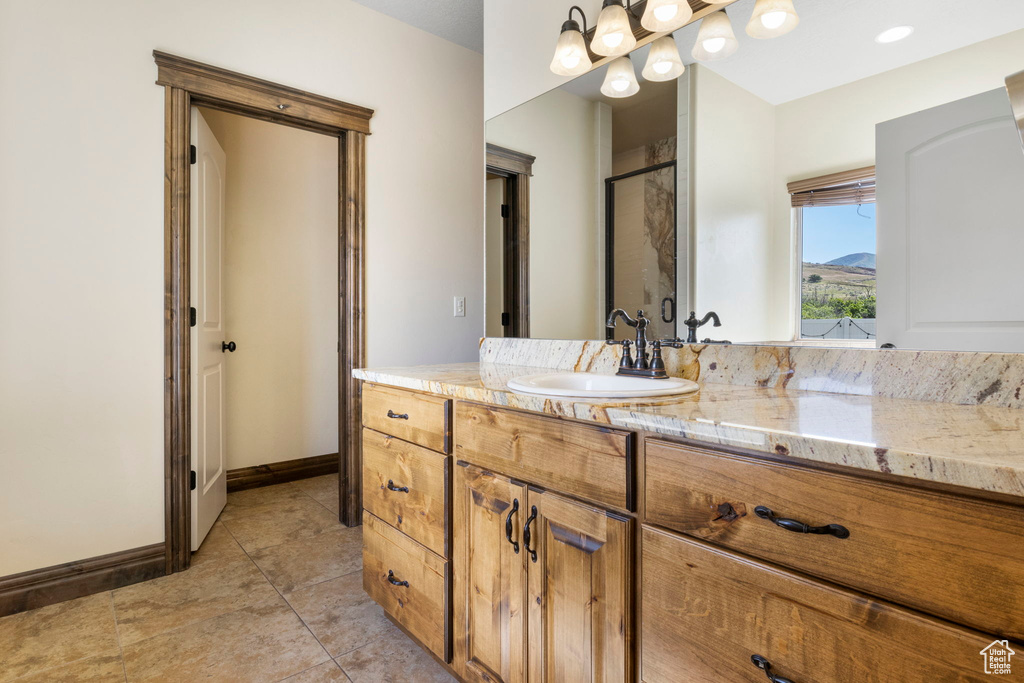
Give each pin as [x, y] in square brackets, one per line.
[591, 385]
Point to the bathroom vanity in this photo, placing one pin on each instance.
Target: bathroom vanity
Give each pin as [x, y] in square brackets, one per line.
[738, 534]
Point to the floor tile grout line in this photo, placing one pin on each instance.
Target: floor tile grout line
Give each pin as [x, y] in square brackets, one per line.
[281, 595]
[285, 594]
[117, 632]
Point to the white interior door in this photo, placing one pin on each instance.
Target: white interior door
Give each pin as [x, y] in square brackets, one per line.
[208, 357]
[951, 227]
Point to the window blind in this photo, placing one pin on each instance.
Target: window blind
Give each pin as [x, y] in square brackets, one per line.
[837, 189]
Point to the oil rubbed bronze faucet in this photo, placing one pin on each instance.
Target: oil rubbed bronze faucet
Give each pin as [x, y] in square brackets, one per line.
[641, 366]
[692, 324]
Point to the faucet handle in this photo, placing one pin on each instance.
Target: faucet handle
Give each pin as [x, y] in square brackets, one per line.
[627, 357]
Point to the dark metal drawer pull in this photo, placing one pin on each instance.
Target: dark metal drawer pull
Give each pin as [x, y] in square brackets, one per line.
[766, 666]
[508, 525]
[395, 416]
[836, 530]
[400, 489]
[395, 582]
[526, 533]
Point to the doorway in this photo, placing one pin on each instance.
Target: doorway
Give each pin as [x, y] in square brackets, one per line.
[187, 84]
[507, 224]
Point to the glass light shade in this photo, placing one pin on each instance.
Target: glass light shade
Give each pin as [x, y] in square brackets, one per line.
[620, 79]
[571, 58]
[661, 16]
[663, 62]
[772, 18]
[614, 35]
[715, 40]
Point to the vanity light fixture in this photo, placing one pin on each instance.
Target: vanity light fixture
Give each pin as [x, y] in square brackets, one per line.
[614, 35]
[571, 56]
[661, 16]
[663, 62]
[772, 18]
[715, 39]
[893, 34]
[620, 80]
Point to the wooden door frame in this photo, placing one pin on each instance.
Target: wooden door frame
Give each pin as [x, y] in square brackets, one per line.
[187, 83]
[516, 168]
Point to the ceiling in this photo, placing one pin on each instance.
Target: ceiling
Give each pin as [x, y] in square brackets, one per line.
[460, 21]
[835, 44]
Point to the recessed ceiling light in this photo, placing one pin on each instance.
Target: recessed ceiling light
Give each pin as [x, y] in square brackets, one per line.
[893, 34]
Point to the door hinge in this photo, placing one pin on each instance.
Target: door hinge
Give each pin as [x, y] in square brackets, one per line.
[505, 211]
[192, 480]
[506, 320]
[191, 154]
[191, 316]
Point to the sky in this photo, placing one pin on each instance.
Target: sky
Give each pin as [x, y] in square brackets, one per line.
[834, 231]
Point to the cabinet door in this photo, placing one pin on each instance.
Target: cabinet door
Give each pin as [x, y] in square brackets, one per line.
[579, 599]
[490, 577]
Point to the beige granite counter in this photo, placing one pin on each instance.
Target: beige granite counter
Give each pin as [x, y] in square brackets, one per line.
[973, 446]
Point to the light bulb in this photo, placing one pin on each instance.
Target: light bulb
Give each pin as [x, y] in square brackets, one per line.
[663, 62]
[665, 16]
[620, 79]
[773, 20]
[612, 40]
[613, 35]
[666, 12]
[571, 58]
[714, 44]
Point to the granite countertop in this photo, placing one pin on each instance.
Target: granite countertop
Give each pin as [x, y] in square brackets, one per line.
[971, 446]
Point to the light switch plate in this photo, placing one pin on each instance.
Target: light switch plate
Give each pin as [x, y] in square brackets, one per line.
[460, 307]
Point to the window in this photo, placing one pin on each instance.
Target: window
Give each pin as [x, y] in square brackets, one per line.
[836, 264]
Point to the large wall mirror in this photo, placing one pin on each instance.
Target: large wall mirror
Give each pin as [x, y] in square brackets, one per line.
[823, 187]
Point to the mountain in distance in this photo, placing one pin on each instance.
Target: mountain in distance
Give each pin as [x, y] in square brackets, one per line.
[861, 260]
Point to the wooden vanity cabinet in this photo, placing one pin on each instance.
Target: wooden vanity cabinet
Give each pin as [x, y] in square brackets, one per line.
[489, 596]
[543, 587]
[579, 592]
[708, 612]
[525, 542]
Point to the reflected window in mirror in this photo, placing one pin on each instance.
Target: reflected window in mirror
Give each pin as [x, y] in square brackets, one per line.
[835, 221]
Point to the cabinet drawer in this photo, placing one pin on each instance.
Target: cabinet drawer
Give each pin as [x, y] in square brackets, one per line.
[406, 486]
[955, 557]
[418, 418]
[591, 462]
[409, 582]
[706, 612]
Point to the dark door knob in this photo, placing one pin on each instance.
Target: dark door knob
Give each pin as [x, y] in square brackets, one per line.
[228, 346]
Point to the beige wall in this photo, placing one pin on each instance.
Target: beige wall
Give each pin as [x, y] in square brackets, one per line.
[519, 39]
[81, 232]
[834, 131]
[280, 291]
[559, 129]
[733, 158]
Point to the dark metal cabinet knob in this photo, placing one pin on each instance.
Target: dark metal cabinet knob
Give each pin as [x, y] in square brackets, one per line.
[395, 416]
[393, 580]
[399, 489]
[228, 346]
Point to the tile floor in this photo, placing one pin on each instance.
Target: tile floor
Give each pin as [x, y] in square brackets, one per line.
[274, 594]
